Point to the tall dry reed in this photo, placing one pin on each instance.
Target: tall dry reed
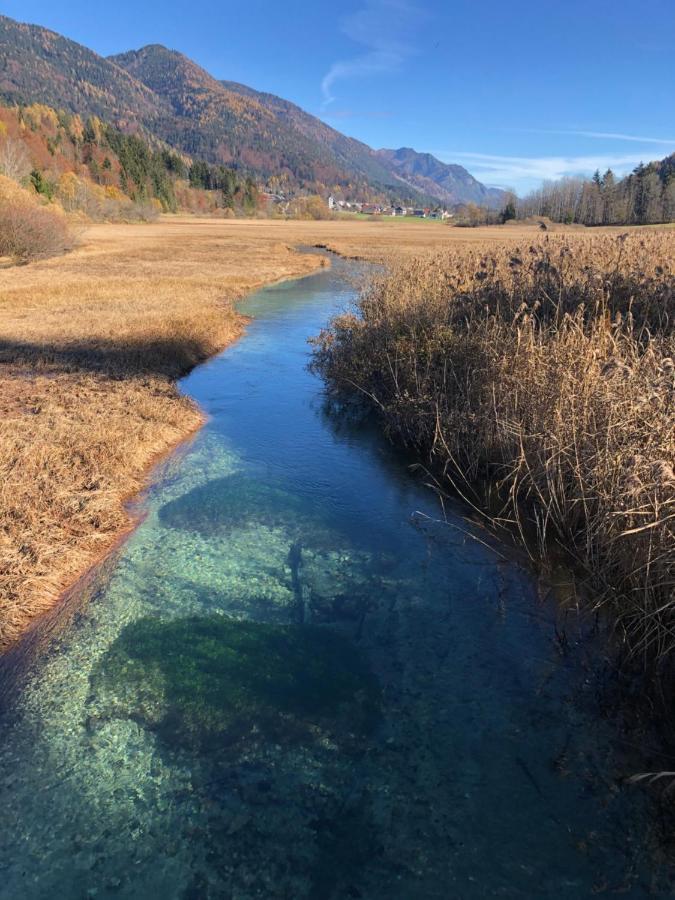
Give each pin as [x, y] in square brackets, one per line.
[548, 368]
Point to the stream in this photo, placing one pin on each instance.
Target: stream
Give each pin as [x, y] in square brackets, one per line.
[297, 679]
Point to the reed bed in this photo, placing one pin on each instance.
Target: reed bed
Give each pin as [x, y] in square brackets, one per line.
[545, 367]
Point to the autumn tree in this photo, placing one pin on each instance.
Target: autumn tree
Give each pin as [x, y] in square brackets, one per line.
[644, 197]
[14, 159]
[608, 193]
[669, 200]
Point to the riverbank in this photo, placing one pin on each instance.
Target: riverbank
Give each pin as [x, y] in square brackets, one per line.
[91, 345]
[291, 679]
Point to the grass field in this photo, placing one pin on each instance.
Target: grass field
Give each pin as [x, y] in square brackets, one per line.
[91, 344]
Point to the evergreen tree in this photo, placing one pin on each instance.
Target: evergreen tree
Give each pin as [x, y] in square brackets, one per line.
[608, 198]
[41, 184]
[509, 211]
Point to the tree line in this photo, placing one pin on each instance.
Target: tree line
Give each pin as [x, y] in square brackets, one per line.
[645, 197]
[144, 169]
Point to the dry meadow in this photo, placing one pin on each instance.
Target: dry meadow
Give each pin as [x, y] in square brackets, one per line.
[91, 344]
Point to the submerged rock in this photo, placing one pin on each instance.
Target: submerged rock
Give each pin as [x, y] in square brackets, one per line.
[214, 682]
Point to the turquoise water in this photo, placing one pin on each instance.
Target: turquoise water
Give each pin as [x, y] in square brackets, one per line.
[297, 682]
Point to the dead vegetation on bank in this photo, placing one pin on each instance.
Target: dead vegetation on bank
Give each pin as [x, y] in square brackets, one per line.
[90, 346]
[31, 232]
[547, 366]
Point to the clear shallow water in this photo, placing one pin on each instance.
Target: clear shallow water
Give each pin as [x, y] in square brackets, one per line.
[293, 685]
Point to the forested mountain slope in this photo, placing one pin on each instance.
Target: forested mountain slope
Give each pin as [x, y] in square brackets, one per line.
[168, 97]
[448, 183]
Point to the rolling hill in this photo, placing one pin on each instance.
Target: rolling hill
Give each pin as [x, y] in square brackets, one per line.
[166, 96]
[40, 66]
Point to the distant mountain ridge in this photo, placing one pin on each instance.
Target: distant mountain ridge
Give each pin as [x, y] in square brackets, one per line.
[167, 96]
[251, 129]
[449, 183]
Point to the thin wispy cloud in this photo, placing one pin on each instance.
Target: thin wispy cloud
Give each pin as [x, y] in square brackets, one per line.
[383, 29]
[358, 114]
[525, 172]
[606, 135]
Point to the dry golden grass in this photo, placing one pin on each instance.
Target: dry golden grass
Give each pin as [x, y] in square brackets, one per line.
[381, 238]
[90, 346]
[548, 366]
[387, 239]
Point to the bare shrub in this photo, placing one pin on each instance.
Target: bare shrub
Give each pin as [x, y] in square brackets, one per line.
[29, 232]
[547, 368]
[14, 159]
[143, 212]
[103, 204]
[310, 207]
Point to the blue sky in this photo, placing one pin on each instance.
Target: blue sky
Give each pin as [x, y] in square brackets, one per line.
[516, 90]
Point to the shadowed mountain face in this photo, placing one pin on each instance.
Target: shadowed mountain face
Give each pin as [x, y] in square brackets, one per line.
[448, 183]
[168, 96]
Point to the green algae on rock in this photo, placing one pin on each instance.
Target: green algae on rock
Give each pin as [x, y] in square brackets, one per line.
[213, 681]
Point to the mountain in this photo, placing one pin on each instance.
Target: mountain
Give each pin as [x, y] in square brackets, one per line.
[107, 174]
[40, 66]
[349, 153]
[450, 184]
[234, 125]
[169, 98]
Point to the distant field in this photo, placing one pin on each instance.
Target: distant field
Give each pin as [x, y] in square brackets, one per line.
[374, 237]
[90, 346]
[403, 220]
